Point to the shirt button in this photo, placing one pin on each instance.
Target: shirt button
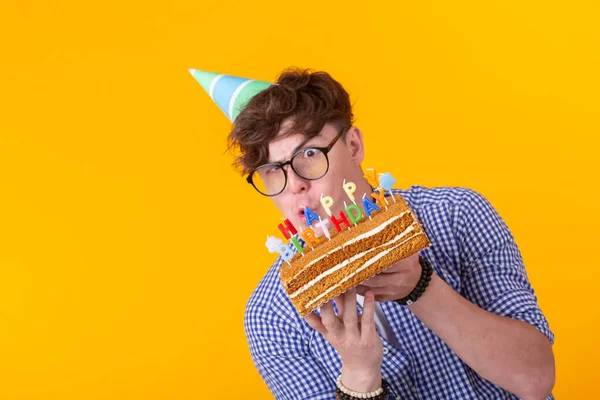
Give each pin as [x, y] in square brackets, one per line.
[386, 350]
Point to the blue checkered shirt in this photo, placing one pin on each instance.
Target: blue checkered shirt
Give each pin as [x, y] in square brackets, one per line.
[471, 249]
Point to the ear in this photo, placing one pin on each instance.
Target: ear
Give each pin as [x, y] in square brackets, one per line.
[354, 143]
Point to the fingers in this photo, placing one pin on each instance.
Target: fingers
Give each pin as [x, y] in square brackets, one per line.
[378, 281]
[329, 319]
[347, 321]
[368, 313]
[350, 317]
[339, 302]
[362, 289]
[314, 321]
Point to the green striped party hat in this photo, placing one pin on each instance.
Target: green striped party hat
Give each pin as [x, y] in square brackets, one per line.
[231, 93]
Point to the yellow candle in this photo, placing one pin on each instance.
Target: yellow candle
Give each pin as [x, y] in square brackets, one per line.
[381, 197]
[372, 178]
[350, 188]
[309, 237]
[327, 202]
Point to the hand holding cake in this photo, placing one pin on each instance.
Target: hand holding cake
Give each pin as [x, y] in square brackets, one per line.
[396, 282]
[355, 339]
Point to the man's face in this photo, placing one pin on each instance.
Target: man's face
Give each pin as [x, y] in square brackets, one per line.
[344, 163]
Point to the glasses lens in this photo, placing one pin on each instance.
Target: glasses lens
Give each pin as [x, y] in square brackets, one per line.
[310, 163]
[269, 179]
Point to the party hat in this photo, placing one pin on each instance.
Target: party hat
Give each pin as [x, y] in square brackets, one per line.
[231, 93]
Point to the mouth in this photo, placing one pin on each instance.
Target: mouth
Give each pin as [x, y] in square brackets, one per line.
[300, 213]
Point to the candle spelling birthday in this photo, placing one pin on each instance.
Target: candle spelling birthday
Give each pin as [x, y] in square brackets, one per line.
[355, 244]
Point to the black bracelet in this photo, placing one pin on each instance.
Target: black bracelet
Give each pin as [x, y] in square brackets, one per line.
[426, 272]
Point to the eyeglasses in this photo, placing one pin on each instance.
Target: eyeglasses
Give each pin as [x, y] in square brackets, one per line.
[310, 163]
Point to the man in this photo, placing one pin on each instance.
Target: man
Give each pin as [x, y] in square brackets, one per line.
[475, 333]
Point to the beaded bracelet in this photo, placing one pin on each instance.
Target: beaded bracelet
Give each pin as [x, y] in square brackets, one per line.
[426, 272]
[343, 393]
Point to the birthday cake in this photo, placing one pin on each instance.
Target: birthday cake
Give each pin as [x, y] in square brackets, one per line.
[361, 246]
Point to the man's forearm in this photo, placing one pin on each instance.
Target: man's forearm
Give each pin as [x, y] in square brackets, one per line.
[510, 353]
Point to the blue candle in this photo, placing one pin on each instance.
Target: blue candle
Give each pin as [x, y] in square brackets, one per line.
[310, 216]
[369, 206]
[387, 181]
[286, 253]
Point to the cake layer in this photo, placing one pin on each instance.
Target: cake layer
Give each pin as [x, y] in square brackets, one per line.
[298, 262]
[315, 296]
[313, 264]
[353, 255]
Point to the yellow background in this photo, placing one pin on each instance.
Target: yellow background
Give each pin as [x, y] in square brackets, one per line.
[128, 246]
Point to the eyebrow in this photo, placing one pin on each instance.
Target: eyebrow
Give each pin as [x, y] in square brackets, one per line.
[301, 145]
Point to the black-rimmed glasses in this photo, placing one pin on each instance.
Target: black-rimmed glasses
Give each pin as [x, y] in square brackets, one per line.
[310, 163]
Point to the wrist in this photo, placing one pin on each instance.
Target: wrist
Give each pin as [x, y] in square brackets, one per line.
[361, 380]
[421, 286]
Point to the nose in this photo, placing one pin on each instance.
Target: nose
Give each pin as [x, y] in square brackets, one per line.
[296, 184]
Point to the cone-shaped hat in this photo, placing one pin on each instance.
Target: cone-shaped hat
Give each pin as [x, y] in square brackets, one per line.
[231, 93]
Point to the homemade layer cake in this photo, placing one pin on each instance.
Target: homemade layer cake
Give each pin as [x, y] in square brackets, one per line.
[353, 255]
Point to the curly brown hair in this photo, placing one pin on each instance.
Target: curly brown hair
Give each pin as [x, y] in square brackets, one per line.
[310, 99]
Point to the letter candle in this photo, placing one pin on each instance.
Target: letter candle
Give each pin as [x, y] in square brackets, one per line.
[296, 243]
[349, 215]
[327, 202]
[381, 197]
[287, 228]
[275, 245]
[352, 214]
[349, 188]
[338, 222]
[323, 225]
[310, 216]
[309, 237]
[372, 179]
[363, 199]
[369, 206]
[354, 218]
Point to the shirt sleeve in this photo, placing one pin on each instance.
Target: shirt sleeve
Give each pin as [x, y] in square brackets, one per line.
[493, 274]
[281, 354]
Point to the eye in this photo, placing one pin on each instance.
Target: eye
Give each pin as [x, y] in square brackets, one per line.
[308, 153]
